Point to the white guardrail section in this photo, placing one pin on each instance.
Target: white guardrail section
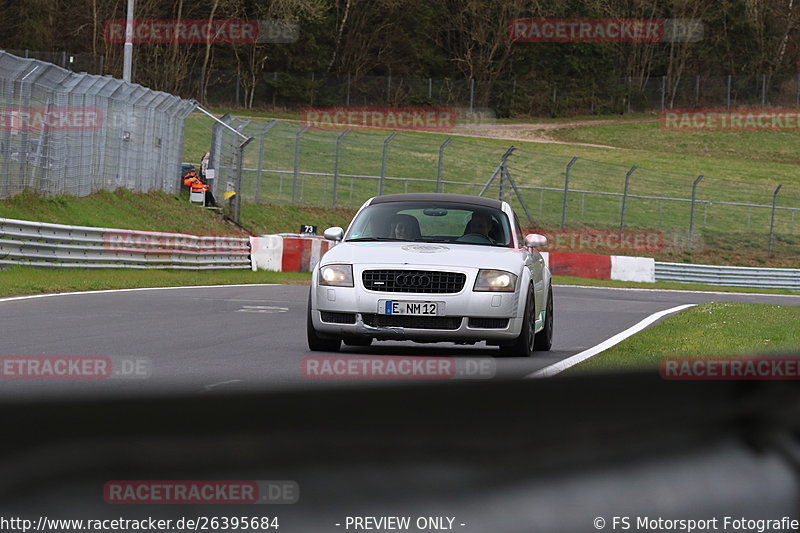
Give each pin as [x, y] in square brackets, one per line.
[731, 276]
[55, 245]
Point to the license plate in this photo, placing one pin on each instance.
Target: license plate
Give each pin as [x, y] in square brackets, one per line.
[399, 307]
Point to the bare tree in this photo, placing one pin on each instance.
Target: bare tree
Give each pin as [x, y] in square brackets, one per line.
[475, 35]
[252, 56]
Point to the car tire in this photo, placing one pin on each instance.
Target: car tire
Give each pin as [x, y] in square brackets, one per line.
[523, 345]
[544, 339]
[315, 342]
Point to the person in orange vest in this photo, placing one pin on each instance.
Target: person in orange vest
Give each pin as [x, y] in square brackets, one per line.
[196, 185]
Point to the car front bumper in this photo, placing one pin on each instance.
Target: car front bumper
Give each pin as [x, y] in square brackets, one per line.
[467, 316]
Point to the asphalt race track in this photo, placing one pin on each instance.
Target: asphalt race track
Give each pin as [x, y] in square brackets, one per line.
[253, 337]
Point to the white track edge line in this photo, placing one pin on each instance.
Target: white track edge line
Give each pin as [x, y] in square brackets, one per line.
[106, 291]
[573, 360]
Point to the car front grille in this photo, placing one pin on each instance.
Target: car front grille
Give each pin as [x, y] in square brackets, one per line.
[418, 281]
[411, 321]
[337, 318]
[488, 323]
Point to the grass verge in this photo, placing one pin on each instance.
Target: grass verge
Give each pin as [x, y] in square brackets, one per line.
[153, 211]
[706, 330]
[19, 281]
[665, 285]
[765, 146]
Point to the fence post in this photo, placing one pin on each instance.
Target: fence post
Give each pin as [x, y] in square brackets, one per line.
[763, 89]
[430, 88]
[627, 95]
[566, 192]
[237, 200]
[261, 158]
[772, 219]
[663, 91]
[691, 214]
[471, 94]
[237, 89]
[383, 161]
[439, 166]
[625, 197]
[336, 166]
[697, 90]
[297, 161]
[729, 92]
[348, 90]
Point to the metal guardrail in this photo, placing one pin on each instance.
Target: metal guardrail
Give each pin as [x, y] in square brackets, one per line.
[765, 278]
[56, 245]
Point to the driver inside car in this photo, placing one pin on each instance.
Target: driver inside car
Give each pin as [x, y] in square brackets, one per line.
[479, 224]
[405, 227]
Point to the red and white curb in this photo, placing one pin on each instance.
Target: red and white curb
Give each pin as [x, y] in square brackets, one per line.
[613, 267]
[292, 253]
[287, 253]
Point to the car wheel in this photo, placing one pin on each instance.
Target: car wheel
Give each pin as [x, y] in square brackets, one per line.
[544, 339]
[357, 341]
[315, 342]
[523, 346]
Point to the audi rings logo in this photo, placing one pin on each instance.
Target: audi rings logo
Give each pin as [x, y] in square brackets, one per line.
[412, 280]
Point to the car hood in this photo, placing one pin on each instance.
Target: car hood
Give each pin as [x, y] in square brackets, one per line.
[399, 254]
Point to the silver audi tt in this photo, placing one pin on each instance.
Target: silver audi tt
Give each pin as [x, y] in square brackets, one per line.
[432, 268]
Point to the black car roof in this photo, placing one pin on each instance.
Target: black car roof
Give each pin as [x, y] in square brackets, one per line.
[438, 197]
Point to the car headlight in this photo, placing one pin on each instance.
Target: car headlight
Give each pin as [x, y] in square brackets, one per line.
[336, 275]
[495, 280]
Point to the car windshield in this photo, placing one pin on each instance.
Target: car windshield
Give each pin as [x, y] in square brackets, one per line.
[432, 222]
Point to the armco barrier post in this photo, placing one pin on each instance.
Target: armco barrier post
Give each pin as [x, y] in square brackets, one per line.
[297, 161]
[439, 165]
[383, 161]
[772, 219]
[566, 191]
[691, 213]
[339, 140]
[624, 198]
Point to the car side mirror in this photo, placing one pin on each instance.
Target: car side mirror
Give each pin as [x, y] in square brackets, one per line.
[534, 240]
[334, 234]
